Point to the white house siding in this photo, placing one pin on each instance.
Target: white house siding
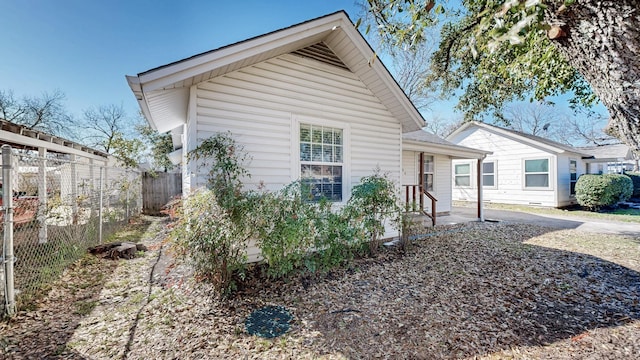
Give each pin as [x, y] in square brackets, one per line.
[509, 156]
[442, 181]
[258, 105]
[262, 105]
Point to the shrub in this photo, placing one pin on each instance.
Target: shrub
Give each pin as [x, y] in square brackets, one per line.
[286, 229]
[372, 202]
[635, 178]
[596, 191]
[208, 239]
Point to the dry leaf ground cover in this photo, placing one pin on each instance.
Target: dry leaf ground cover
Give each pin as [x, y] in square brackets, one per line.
[466, 291]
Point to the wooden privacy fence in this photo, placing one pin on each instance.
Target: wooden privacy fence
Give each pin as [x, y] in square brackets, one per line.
[158, 189]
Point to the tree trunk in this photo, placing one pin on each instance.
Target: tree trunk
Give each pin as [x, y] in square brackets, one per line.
[603, 43]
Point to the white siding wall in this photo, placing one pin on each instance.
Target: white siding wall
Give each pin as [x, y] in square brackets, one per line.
[509, 156]
[261, 104]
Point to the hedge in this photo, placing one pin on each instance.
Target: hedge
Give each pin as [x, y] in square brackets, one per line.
[635, 178]
[596, 191]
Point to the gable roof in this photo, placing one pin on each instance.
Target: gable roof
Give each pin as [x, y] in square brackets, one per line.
[612, 152]
[533, 140]
[438, 145]
[163, 92]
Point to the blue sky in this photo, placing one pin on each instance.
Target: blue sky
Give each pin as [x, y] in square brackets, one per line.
[85, 48]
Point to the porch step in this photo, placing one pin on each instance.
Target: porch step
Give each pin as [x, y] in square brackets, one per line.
[420, 219]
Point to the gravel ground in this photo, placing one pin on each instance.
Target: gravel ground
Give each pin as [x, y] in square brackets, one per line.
[467, 291]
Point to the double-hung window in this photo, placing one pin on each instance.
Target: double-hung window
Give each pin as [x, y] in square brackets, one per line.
[321, 162]
[428, 172]
[536, 173]
[489, 174]
[462, 175]
[573, 174]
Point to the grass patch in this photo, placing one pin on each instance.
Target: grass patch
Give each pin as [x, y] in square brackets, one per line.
[623, 215]
[619, 249]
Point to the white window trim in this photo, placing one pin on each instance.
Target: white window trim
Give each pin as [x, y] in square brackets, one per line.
[495, 174]
[550, 173]
[471, 173]
[296, 174]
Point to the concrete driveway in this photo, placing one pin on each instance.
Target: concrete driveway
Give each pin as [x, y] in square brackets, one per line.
[463, 214]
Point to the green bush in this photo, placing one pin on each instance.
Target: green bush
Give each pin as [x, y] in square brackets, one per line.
[296, 234]
[635, 178]
[372, 202]
[596, 191]
[207, 238]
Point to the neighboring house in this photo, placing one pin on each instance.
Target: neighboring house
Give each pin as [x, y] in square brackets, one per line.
[609, 159]
[308, 101]
[522, 169]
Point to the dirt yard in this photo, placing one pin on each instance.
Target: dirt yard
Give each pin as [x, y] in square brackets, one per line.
[468, 291]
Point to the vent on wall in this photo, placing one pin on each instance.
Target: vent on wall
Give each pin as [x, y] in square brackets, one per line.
[322, 53]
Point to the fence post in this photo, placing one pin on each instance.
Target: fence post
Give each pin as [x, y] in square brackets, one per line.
[42, 196]
[100, 206]
[8, 259]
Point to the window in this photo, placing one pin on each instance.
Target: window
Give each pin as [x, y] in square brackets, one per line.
[427, 176]
[462, 175]
[573, 173]
[536, 173]
[321, 161]
[489, 174]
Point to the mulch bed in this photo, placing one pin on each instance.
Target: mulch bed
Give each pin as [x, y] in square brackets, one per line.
[475, 290]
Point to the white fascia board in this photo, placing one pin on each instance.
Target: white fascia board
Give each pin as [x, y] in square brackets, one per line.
[188, 68]
[136, 88]
[459, 152]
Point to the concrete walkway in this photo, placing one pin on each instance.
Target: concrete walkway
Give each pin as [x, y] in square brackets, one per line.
[466, 214]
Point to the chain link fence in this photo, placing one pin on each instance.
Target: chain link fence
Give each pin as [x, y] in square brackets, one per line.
[53, 208]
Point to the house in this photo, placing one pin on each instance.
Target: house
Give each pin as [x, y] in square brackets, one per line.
[522, 169]
[307, 101]
[610, 159]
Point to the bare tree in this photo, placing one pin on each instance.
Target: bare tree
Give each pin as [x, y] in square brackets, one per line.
[110, 129]
[45, 113]
[411, 67]
[10, 108]
[104, 124]
[546, 121]
[441, 126]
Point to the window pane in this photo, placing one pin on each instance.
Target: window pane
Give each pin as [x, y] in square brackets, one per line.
[428, 181]
[338, 153]
[463, 169]
[537, 180]
[316, 134]
[337, 137]
[305, 152]
[487, 180]
[428, 164]
[327, 153]
[574, 176]
[327, 136]
[463, 180]
[316, 152]
[573, 188]
[487, 168]
[305, 133]
[537, 165]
